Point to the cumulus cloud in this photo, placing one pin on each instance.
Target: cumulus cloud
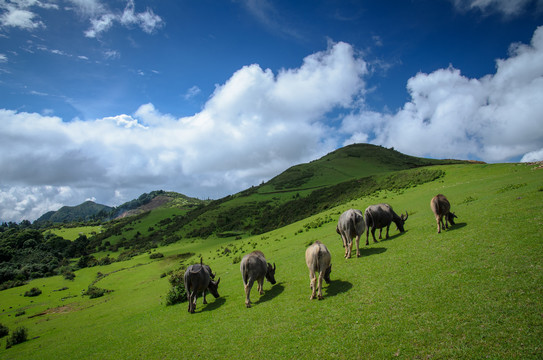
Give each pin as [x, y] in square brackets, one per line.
[254, 125]
[494, 118]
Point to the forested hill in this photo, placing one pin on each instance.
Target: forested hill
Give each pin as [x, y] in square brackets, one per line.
[86, 211]
[90, 211]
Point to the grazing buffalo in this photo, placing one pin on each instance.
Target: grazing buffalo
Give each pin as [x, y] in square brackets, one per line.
[198, 278]
[317, 258]
[381, 215]
[351, 224]
[442, 209]
[254, 267]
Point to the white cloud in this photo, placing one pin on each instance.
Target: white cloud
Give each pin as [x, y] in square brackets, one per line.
[254, 126]
[20, 18]
[494, 118]
[103, 19]
[508, 8]
[192, 92]
[533, 156]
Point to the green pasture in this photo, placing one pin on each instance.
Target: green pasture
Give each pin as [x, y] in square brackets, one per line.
[472, 292]
[72, 233]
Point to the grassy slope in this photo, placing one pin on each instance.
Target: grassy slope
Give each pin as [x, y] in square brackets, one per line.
[75, 232]
[471, 292]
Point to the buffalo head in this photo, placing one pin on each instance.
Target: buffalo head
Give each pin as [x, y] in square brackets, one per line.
[270, 273]
[403, 219]
[213, 287]
[450, 218]
[327, 274]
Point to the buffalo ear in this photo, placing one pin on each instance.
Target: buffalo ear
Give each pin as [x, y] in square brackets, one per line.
[273, 266]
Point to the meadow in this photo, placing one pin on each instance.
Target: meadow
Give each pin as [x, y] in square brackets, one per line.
[474, 291]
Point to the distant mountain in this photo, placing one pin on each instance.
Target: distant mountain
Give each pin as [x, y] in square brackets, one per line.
[88, 210]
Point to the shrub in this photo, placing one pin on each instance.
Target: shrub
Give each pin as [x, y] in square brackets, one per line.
[94, 292]
[177, 293]
[156, 255]
[18, 336]
[4, 331]
[32, 292]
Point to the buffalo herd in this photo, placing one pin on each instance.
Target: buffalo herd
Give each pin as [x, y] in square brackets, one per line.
[199, 279]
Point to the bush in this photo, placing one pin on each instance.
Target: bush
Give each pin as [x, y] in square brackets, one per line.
[18, 336]
[177, 293]
[156, 255]
[94, 292]
[33, 292]
[4, 331]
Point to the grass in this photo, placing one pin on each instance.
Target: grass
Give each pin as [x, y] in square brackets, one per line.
[72, 233]
[474, 291]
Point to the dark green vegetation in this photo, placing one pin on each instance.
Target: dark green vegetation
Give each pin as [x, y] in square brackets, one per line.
[474, 291]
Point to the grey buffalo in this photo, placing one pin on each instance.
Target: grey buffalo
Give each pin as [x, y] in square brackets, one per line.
[442, 209]
[198, 279]
[255, 268]
[351, 224]
[380, 216]
[318, 258]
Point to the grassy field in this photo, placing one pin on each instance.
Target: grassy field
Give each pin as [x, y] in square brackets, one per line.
[474, 291]
[73, 233]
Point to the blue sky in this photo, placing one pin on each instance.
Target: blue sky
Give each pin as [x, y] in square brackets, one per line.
[107, 100]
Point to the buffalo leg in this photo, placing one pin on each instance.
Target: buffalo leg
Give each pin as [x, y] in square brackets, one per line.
[388, 227]
[204, 295]
[438, 220]
[248, 287]
[260, 286]
[373, 234]
[312, 284]
[189, 298]
[321, 276]
[357, 245]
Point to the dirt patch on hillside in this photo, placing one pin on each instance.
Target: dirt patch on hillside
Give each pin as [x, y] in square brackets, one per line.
[157, 201]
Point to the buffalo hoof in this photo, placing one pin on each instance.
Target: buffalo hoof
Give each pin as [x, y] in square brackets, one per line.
[248, 305]
[320, 297]
[311, 297]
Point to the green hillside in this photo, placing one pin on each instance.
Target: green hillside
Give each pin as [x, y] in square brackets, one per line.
[351, 162]
[474, 291]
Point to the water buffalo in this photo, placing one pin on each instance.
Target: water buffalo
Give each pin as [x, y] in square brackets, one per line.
[317, 258]
[198, 278]
[351, 224]
[381, 215]
[442, 209]
[254, 267]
